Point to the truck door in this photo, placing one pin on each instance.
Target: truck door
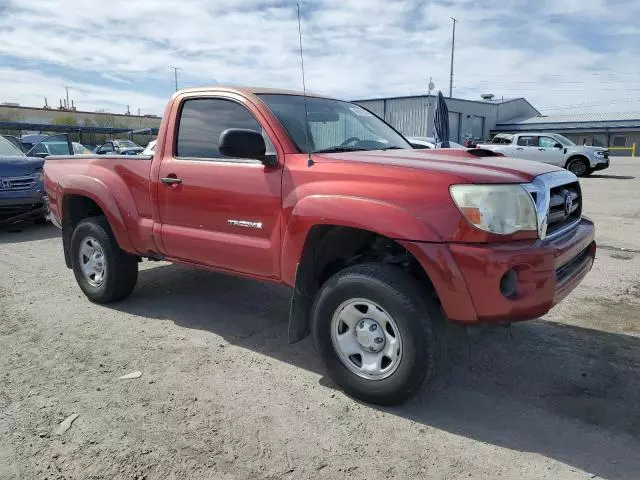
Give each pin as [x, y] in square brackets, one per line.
[549, 152]
[526, 147]
[215, 210]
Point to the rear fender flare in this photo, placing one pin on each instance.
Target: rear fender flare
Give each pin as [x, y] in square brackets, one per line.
[105, 197]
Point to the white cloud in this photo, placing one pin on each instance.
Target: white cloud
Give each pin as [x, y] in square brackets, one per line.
[31, 87]
[113, 78]
[547, 51]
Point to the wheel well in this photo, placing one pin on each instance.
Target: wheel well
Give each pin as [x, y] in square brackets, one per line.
[75, 208]
[576, 157]
[329, 249]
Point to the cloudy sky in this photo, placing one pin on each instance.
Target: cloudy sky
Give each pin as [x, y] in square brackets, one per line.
[564, 56]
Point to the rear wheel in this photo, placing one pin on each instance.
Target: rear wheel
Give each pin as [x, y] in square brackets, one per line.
[104, 271]
[376, 333]
[579, 167]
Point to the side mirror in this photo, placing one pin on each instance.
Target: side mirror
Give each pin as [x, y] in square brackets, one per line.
[558, 145]
[244, 143]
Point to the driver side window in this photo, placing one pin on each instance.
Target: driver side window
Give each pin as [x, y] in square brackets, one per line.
[547, 142]
[106, 148]
[40, 148]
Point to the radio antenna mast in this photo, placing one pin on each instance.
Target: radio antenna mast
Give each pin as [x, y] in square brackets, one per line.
[304, 93]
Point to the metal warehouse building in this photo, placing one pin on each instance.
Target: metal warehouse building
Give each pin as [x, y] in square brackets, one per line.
[413, 116]
[618, 131]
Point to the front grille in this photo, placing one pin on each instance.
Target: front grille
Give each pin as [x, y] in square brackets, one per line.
[563, 212]
[17, 183]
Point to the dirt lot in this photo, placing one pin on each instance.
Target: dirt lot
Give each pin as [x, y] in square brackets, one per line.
[223, 396]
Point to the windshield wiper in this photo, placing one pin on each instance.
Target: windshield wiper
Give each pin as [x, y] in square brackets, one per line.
[340, 149]
[391, 148]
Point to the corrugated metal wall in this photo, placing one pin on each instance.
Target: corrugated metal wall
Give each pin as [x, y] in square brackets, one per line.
[408, 115]
[413, 116]
[376, 106]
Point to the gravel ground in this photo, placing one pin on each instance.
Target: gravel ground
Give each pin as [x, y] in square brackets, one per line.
[223, 396]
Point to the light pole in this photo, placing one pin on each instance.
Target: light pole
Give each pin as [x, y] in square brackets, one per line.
[453, 46]
[430, 86]
[175, 77]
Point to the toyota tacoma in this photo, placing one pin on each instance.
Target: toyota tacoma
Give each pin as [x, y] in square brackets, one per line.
[381, 244]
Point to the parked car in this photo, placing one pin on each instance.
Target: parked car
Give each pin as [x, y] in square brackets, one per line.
[381, 244]
[151, 148]
[551, 148]
[430, 142]
[119, 147]
[79, 149]
[15, 141]
[60, 146]
[22, 194]
[28, 141]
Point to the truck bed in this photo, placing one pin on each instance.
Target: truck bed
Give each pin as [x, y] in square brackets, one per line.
[131, 188]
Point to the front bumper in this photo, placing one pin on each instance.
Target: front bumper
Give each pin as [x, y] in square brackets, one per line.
[467, 278]
[14, 209]
[601, 165]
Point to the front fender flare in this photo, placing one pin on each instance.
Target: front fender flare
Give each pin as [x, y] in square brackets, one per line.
[363, 213]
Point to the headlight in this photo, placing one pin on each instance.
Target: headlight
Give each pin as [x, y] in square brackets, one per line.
[501, 209]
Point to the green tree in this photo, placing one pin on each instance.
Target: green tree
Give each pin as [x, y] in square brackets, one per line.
[64, 120]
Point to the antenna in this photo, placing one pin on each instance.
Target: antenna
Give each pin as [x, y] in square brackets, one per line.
[304, 93]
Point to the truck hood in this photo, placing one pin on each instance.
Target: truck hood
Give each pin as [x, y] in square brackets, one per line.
[459, 163]
[19, 166]
[586, 149]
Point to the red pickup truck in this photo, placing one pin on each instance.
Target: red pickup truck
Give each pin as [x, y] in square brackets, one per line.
[381, 244]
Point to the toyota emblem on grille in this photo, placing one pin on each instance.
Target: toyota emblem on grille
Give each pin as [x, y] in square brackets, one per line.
[5, 184]
[568, 204]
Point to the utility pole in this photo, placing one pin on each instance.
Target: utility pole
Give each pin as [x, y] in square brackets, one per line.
[67, 88]
[453, 46]
[175, 76]
[430, 87]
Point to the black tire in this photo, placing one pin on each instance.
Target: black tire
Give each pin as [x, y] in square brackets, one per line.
[579, 166]
[121, 272]
[415, 315]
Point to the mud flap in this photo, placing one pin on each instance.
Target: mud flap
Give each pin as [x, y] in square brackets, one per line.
[300, 309]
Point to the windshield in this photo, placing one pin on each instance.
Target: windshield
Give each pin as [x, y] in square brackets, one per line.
[9, 149]
[332, 125]
[564, 140]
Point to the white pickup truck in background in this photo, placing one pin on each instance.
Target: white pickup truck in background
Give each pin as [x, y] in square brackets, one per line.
[551, 148]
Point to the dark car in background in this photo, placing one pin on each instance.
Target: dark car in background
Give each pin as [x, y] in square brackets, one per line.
[22, 195]
[30, 140]
[119, 147]
[15, 141]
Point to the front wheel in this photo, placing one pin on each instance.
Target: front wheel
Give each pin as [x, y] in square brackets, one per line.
[580, 167]
[376, 333]
[104, 271]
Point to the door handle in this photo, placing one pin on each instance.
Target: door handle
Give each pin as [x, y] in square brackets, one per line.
[541, 149]
[519, 148]
[171, 180]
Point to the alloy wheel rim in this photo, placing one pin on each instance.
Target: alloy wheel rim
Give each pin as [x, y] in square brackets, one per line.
[92, 261]
[578, 168]
[366, 339]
